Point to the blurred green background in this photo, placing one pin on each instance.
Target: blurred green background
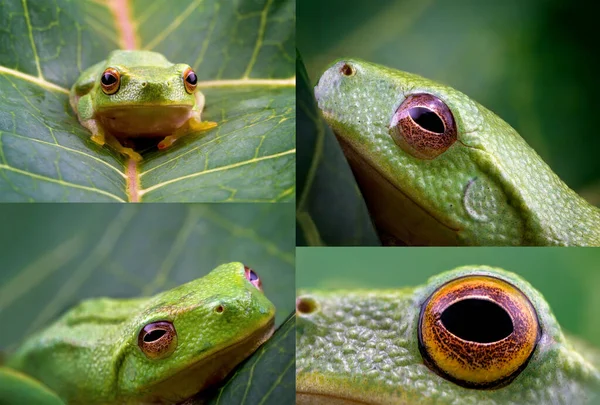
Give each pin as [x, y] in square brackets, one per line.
[54, 255]
[532, 62]
[567, 277]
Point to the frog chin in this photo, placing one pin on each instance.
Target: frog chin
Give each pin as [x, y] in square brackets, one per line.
[212, 368]
[399, 219]
[144, 120]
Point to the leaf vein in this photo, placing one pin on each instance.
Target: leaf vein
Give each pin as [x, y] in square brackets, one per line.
[62, 183]
[33, 47]
[217, 169]
[261, 34]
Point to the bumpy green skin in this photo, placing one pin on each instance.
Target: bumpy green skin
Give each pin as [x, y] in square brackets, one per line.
[488, 188]
[362, 346]
[144, 79]
[91, 354]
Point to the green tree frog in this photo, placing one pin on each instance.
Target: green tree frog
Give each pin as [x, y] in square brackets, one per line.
[475, 335]
[437, 168]
[158, 350]
[138, 94]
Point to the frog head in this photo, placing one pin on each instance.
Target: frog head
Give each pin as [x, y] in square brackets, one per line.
[192, 336]
[144, 79]
[435, 166]
[145, 91]
[474, 335]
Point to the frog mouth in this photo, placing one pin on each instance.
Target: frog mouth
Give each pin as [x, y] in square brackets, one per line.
[144, 120]
[141, 106]
[311, 398]
[314, 388]
[212, 368]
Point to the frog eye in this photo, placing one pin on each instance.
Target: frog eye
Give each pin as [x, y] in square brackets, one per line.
[190, 80]
[158, 339]
[423, 126]
[110, 81]
[253, 277]
[478, 331]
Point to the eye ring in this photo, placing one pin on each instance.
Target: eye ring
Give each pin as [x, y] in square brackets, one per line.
[464, 336]
[190, 80]
[253, 277]
[423, 126]
[110, 81]
[158, 340]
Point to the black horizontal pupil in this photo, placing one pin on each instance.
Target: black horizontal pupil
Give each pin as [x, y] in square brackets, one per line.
[108, 79]
[427, 119]
[253, 275]
[191, 78]
[477, 320]
[154, 335]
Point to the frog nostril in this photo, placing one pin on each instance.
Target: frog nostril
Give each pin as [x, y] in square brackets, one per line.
[219, 309]
[144, 84]
[306, 305]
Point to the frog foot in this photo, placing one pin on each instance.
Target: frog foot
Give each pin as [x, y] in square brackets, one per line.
[98, 139]
[97, 132]
[202, 125]
[133, 155]
[193, 125]
[116, 145]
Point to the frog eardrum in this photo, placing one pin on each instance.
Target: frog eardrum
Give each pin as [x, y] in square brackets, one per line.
[478, 331]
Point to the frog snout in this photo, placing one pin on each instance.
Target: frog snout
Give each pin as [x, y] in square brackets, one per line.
[328, 84]
[318, 91]
[154, 86]
[155, 90]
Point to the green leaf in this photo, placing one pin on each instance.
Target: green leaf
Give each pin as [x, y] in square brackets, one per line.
[242, 53]
[325, 176]
[268, 377]
[81, 251]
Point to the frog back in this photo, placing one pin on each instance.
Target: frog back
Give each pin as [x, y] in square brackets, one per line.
[82, 348]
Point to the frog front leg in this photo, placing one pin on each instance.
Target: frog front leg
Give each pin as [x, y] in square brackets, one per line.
[194, 124]
[85, 111]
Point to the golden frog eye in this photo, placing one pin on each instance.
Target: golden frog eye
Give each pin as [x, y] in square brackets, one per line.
[190, 80]
[478, 331]
[158, 339]
[110, 81]
[423, 126]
